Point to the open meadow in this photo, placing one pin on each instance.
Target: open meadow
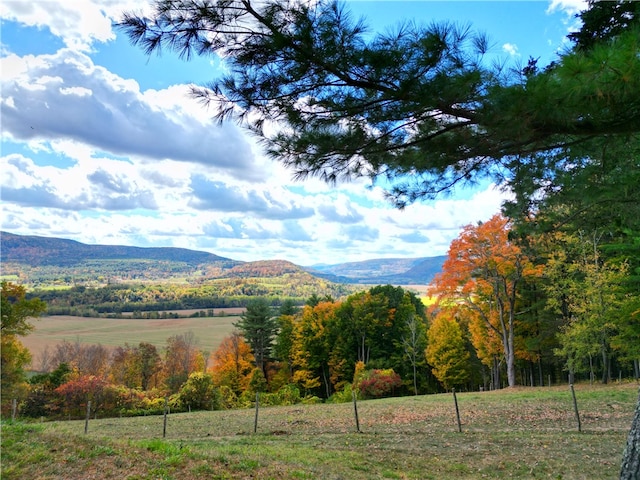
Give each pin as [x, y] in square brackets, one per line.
[113, 332]
[514, 433]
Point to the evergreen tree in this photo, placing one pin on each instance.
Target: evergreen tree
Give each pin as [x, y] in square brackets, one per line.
[259, 327]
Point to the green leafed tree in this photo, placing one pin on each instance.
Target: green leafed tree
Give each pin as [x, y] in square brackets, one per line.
[17, 312]
[259, 327]
[588, 293]
[419, 105]
[413, 338]
[199, 392]
[446, 351]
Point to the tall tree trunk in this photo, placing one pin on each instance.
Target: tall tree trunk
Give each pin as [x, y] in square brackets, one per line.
[495, 374]
[511, 368]
[630, 469]
[540, 376]
[606, 368]
[510, 354]
[327, 387]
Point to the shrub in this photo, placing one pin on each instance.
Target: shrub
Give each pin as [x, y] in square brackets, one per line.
[198, 392]
[343, 396]
[379, 383]
[287, 395]
[228, 398]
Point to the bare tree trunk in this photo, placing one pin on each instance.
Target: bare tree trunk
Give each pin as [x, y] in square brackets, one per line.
[325, 380]
[495, 374]
[630, 469]
[511, 368]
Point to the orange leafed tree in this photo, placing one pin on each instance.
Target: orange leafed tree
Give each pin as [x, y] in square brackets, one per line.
[232, 363]
[482, 275]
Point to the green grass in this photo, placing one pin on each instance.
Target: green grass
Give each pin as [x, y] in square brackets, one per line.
[522, 433]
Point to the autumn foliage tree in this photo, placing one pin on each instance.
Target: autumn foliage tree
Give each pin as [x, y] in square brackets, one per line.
[135, 366]
[446, 351]
[232, 363]
[16, 311]
[181, 359]
[482, 274]
[312, 346]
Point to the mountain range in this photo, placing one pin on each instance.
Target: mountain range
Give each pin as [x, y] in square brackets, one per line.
[59, 260]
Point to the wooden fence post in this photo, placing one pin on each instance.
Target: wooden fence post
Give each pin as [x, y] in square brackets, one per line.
[455, 401]
[86, 421]
[164, 424]
[575, 408]
[355, 410]
[255, 420]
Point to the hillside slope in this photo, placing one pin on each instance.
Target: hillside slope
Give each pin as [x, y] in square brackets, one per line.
[395, 271]
[39, 251]
[45, 261]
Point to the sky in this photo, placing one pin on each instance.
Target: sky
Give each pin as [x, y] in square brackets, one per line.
[103, 144]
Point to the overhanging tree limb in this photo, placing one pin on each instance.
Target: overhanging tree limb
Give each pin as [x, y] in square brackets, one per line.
[416, 106]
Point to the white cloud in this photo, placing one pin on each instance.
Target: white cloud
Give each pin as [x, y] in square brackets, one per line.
[511, 49]
[570, 7]
[111, 114]
[79, 23]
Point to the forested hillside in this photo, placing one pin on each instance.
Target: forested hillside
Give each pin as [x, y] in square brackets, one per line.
[395, 271]
[39, 251]
[41, 262]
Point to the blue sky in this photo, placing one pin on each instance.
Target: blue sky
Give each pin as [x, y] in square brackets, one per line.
[102, 144]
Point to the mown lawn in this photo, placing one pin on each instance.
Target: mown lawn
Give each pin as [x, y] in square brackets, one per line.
[519, 433]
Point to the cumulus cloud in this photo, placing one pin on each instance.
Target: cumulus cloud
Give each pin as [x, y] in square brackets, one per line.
[570, 7]
[362, 233]
[103, 161]
[511, 49]
[414, 237]
[27, 184]
[333, 213]
[65, 96]
[223, 197]
[78, 23]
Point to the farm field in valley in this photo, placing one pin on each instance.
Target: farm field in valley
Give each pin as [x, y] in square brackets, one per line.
[513, 433]
[50, 331]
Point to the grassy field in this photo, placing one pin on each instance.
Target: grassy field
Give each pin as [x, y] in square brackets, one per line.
[52, 330]
[521, 433]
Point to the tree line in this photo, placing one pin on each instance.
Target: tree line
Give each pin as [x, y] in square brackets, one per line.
[114, 300]
[507, 309]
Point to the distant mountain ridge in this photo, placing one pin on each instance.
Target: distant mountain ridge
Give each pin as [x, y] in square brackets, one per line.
[49, 257]
[35, 251]
[395, 271]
